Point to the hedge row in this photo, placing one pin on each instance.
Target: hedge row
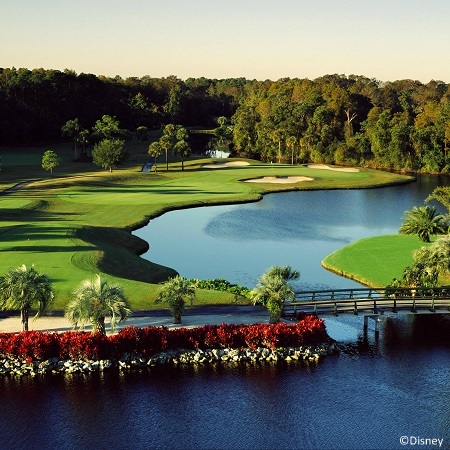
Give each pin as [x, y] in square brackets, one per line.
[147, 341]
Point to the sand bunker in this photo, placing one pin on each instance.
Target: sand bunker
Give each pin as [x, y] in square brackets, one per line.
[281, 180]
[227, 164]
[337, 169]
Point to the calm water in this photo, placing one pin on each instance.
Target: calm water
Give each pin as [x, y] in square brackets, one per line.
[370, 396]
[239, 242]
[366, 398]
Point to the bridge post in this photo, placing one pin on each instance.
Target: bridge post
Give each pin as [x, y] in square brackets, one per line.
[366, 324]
[377, 326]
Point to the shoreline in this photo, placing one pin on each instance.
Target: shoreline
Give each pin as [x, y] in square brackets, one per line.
[137, 246]
[303, 356]
[242, 200]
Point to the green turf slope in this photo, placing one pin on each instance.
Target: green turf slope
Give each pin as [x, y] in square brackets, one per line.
[374, 261]
[78, 221]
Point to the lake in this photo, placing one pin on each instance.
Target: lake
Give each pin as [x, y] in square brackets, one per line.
[373, 395]
[239, 242]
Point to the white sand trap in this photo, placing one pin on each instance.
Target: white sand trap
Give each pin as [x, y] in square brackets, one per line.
[280, 180]
[227, 164]
[337, 169]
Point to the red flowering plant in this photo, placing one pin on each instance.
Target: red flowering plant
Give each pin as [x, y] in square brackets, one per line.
[83, 345]
[145, 341]
[29, 345]
[76, 345]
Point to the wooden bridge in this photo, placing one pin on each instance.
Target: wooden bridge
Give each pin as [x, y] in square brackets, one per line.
[370, 303]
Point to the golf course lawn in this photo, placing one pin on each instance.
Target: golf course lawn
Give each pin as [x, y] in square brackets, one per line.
[374, 261]
[77, 222]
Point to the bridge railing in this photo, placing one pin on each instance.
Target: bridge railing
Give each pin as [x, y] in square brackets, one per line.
[369, 301]
[367, 293]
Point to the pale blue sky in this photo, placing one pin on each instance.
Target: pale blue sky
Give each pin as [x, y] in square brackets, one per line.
[265, 39]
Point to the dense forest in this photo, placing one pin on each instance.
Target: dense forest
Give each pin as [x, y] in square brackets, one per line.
[353, 120]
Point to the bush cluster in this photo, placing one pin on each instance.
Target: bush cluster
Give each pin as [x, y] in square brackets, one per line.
[220, 284]
[79, 345]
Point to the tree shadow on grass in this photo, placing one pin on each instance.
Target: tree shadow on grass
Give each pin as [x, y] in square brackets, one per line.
[45, 248]
[26, 232]
[119, 253]
[156, 190]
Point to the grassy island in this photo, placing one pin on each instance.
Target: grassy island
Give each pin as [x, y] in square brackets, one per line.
[374, 261]
[78, 221]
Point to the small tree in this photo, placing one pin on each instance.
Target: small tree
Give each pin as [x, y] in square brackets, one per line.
[273, 289]
[71, 129]
[94, 301]
[23, 288]
[83, 139]
[50, 160]
[107, 128]
[109, 152]
[174, 293]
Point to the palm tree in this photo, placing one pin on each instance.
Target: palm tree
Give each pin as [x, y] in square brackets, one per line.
[291, 142]
[273, 289]
[155, 150]
[174, 292]
[22, 288]
[419, 275]
[436, 255]
[183, 150]
[423, 221]
[284, 272]
[94, 300]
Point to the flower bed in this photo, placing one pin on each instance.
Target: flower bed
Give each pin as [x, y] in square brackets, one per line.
[31, 351]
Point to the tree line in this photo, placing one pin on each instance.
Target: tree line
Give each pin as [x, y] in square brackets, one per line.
[352, 120]
[35, 104]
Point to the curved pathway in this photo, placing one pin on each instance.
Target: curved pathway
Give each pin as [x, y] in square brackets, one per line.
[193, 317]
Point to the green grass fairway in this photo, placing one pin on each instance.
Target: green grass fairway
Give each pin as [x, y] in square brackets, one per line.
[374, 261]
[78, 221]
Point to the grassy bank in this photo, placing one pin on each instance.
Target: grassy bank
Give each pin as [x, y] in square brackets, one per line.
[77, 222]
[374, 261]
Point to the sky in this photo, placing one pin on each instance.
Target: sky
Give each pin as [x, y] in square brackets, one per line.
[257, 39]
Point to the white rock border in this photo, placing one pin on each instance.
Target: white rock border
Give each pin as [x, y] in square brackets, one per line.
[261, 355]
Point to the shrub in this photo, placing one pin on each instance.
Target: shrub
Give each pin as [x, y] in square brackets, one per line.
[83, 345]
[220, 284]
[29, 345]
[80, 345]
